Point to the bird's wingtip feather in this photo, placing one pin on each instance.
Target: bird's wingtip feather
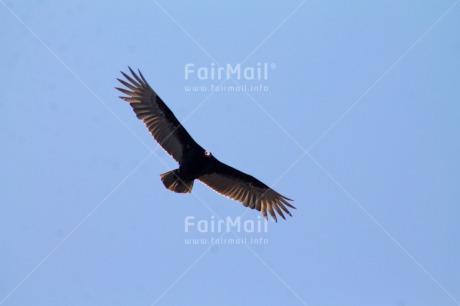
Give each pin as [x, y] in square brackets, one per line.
[132, 71]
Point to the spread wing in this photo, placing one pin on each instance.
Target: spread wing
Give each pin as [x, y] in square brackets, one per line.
[158, 118]
[246, 189]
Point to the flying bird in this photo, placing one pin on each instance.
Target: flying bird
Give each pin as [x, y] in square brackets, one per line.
[194, 161]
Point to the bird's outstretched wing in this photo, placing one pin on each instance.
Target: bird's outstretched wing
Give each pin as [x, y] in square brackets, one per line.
[158, 118]
[246, 189]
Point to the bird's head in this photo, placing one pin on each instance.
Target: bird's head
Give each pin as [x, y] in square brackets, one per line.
[207, 153]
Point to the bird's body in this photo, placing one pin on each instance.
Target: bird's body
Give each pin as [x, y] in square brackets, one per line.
[194, 161]
[195, 164]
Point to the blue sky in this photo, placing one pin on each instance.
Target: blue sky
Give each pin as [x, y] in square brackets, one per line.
[359, 125]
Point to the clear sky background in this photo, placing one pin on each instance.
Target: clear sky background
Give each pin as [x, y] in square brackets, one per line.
[360, 126]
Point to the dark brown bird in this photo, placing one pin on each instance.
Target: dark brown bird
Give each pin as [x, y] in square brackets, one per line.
[194, 161]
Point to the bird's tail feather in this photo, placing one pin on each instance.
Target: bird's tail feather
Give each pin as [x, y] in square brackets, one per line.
[173, 182]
